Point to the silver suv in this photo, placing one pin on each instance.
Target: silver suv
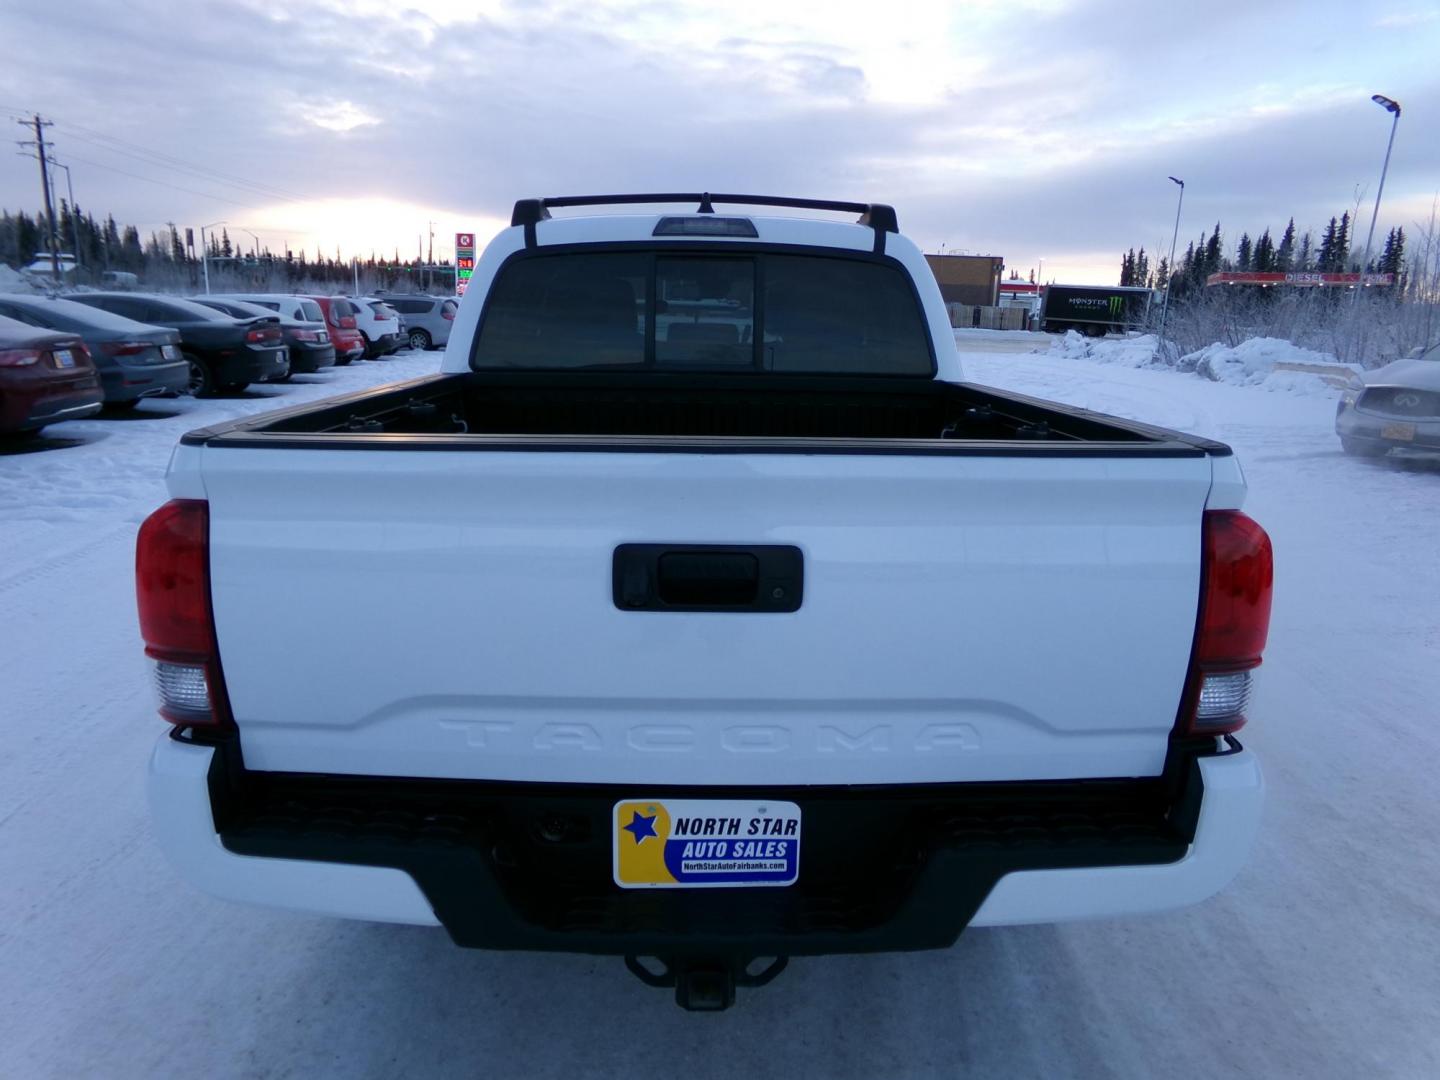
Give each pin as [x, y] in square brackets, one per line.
[424, 320]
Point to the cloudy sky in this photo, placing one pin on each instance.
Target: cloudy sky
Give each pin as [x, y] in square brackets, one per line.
[1031, 129]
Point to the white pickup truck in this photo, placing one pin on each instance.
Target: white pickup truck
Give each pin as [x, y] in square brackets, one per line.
[700, 612]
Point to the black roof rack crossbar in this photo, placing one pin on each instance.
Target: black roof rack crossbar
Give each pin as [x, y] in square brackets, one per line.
[878, 216]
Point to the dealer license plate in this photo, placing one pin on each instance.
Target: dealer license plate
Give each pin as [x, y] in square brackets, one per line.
[1400, 432]
[705, 843]
[64, 358]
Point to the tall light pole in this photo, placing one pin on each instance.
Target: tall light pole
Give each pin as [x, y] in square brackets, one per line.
[205, 253]
[74, 217]
[252, 236]
[1170, 266]
[1393, 107]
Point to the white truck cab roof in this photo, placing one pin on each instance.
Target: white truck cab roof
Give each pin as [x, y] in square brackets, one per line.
[534, 230]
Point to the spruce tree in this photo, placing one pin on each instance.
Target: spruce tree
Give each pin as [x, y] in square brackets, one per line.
[132, 254]
[1303, 257]
[1243, 252]
[1264, 258]
[1285, 255]
[1212, 254]
[1342, 244]
[1325, 257]
[1142, 269]
[1392, 258]
[27, 238]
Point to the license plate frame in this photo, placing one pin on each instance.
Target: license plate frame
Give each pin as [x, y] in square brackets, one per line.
[665, 843]
[1398, 432]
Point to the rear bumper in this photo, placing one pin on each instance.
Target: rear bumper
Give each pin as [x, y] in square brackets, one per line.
[887, 868]
[384, 344]
[129, 382]
[32, 409]
[1387, 432]
[249, 365]
[306, 358]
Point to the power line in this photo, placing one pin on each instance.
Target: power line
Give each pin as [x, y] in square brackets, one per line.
[167, 161]
[162, 183]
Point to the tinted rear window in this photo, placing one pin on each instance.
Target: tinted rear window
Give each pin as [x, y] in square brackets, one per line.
[311, 310]
[567, 311]
[249, 309]
[188, 311]
[340, 308]
[720, 312]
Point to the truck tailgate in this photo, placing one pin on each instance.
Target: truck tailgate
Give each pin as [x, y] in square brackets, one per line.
[450, 614]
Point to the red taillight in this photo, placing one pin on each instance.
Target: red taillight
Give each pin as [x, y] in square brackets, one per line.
[172, 587]
[124, 348]
[347, 322]
[255, 337]
[1238, 577]
[447, 313]
[19, 357]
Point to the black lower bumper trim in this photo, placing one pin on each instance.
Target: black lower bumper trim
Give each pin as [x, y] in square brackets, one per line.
[528, 866]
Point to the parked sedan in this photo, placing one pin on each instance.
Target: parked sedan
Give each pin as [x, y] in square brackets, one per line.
[306, 354]
[1393, 407]
[45, 376]
[134, 360]
[225, 354]
[309, 343]
[340, 322]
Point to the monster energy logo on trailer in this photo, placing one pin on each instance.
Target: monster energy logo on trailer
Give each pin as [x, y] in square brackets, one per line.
[1096, 305]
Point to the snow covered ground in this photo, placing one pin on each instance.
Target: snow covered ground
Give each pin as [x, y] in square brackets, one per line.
[1322, 960]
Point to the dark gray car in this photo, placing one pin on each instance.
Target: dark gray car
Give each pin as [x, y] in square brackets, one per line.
[425, 321]
[135, 360]
[309, 341]
[1396, 407]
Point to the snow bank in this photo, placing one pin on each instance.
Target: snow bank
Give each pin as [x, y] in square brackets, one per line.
[1267, 363]
[12, 281]
[1256, 363]
[1127, 352]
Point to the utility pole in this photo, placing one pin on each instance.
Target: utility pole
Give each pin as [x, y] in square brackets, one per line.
[39, 144]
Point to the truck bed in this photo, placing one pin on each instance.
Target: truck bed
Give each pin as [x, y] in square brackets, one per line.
[704, 413]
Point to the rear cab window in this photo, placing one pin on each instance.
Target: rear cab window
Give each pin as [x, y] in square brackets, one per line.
[712, 310]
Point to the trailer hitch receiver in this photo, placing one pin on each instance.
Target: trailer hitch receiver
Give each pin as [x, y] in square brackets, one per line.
[704, 983]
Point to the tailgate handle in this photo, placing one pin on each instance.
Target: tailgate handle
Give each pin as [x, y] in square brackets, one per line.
[706, 577]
